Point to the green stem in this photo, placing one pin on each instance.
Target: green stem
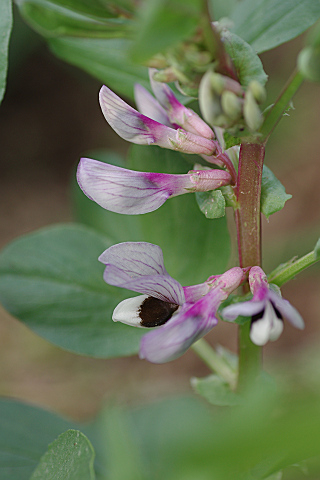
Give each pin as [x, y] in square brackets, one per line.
[214, 361]
[249, 244]
[275, 114]
[288, 271]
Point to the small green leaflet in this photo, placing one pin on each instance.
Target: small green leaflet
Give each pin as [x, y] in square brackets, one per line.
[212, 204]
[273, 194]
[215, 390]
[69, 457]
[5, 29]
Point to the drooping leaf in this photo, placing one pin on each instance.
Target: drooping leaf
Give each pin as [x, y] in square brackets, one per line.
[56, 18]
[215, 390]
[105, 59]
[53, 282]
[162, 24]
[193, 247]
[69, 457]
[265, 24]
[247, 63]
[273, 194]
[212, 204]
[5, 30]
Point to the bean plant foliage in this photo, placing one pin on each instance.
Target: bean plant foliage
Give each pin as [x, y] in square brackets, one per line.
[162, 222]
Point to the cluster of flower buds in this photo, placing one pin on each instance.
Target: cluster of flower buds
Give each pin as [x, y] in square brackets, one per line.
[179, 316]
[225, 103]
[184, 64]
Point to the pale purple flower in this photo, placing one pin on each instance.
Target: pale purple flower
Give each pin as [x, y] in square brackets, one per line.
[179, 315]
[138, 128]
[266, 309]
[129, 192]
[168, 110]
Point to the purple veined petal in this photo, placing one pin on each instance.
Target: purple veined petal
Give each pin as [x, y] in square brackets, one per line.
[139, 266]
[163, 287]
[258, 283]
[194, 292]
[178, 113]
[125, 120]
[137, 128]
[245, 309]
[287, 310]
[148, 105]
[135, 258]
[173, 339]
[128, 192]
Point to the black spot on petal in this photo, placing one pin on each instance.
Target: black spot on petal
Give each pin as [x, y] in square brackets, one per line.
[154, 312]
[257, 316]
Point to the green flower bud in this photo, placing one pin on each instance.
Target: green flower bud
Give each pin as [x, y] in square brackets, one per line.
[251, 112]
[231, 105]
[309, 63]
[258, 91]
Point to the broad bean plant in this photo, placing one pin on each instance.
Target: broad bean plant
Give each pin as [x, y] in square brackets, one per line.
[147, 269]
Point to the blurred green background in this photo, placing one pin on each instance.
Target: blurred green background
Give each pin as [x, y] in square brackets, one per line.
[49, 117]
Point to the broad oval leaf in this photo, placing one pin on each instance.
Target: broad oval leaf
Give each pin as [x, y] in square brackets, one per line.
[5, 29]
[69, 457]
[53, 18]
[104, 59]
[162, 24]
[265, 24]
[52, 281]
[273, 194]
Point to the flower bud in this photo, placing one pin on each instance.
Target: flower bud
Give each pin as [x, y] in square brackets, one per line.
[251, 112]
[309, 63]
[231, 105]
[258, 91]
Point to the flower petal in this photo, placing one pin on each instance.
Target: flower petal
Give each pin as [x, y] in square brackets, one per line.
[178, 113]
[137, 128]
[135, 258]
[175, 337]
[144, 311]
[266, 328]
[139, 267]
[148, 105]
[245, 309]
[287, 310]
[126, 191]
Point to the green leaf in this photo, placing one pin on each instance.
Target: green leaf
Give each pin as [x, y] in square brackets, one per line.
[221, 8]
[55, 18]
[212, 204]
[164, 23]
[193, 247]
[247, 63]
[25, 433]
[5, 29]
[53, 282]
[265, 24]
[69, 457]
[104, 59]
[215, 390]
[273, 194]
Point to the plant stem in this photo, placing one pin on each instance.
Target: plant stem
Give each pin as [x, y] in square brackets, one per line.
[214, 361]
[288, 271]
[249, 244]
[276, 112]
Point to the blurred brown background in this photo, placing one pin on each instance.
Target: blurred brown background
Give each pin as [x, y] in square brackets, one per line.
[50, 117]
